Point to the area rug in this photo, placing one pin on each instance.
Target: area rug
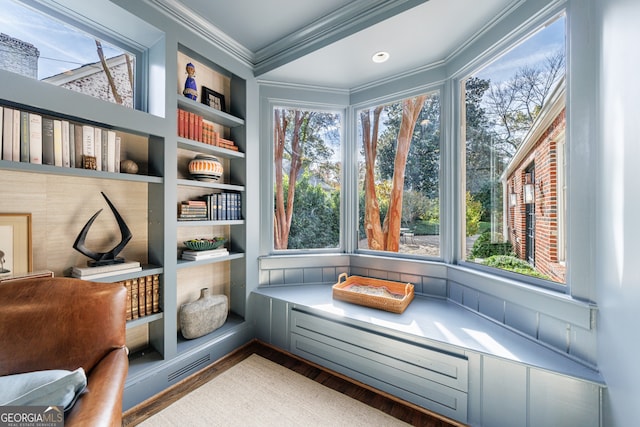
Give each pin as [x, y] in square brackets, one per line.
[258, 392]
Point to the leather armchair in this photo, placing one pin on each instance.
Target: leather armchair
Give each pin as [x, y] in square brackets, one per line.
[65, 323]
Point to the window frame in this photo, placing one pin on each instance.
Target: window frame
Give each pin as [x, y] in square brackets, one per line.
[458, 79]
[354, 149]
[268, 166]
[91, 20]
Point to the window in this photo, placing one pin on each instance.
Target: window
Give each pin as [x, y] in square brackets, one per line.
[307, 182]
[399, 169]
[514, 158]
[39, 46]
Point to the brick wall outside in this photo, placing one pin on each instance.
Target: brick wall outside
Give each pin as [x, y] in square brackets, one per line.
[18, 57]
[97, 85]
[544, 156]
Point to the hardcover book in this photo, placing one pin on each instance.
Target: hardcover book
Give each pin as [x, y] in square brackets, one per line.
[16, 135]
[127, 284]
[156, 293]
[148, 286]
[35, 138]
[78, 139]
[57, 142]
[66, 145]
[24, 137]
[7, 134]
[47, 141]
[134, 299]
[139, 284]
[97, 147]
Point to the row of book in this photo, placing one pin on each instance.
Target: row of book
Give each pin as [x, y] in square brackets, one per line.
[195, 127]
[225, 206]
[34, 138]
[143, 296]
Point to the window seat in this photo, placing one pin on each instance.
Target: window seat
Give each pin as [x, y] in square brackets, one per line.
[439, 332]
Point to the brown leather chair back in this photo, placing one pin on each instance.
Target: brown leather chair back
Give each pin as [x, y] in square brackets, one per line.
[59, 323]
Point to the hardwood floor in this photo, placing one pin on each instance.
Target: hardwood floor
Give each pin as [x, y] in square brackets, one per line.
[391, 405]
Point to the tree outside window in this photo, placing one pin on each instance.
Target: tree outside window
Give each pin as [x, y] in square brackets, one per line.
[307, 183]
[399, 176]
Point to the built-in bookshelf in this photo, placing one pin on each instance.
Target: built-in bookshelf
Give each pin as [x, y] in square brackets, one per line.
[62, 197]
[203, 129]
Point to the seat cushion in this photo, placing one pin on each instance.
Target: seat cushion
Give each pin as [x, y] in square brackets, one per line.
[55, 387]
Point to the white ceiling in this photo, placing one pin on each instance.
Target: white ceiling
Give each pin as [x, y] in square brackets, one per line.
[330, 42]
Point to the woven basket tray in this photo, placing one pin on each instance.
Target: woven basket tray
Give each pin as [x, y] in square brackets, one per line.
[375, 293]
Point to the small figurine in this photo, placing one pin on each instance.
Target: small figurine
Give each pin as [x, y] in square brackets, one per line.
[190, 87]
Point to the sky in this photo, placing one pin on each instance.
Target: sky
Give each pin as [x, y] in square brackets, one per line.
[531, 51]
[61, 48]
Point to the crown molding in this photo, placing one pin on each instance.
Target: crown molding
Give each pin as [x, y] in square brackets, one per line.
[341, 23]
[176, 11]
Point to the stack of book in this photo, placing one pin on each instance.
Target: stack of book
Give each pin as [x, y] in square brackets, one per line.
[34, 138]
[143, 296]
[193, 126]
[200, 255]
[193, 210]
[91, 273]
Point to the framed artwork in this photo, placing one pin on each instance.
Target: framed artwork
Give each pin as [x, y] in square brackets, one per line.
[212, 98]
[15, 244]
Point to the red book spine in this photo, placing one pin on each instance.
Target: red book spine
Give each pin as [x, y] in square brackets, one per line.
[192, 126]
[199, 129]
[181, 114]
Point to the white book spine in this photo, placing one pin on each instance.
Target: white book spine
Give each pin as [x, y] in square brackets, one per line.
[35, 138]
[117, 153]
[111, 150]
[66, 149]
[97, 147]
[57, 142]
[16, 135]
[7, 134]
[88, 135]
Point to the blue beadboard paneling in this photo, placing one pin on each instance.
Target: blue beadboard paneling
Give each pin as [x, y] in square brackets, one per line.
[294, 275]
[329, 275]
[584, 344]
[504, 393]
[491, 306]
[560, 401]
[554, 332]
[521, 318]
[455, 292]
[276, 277]
[470, 298]
[434, 286]
[312, 275]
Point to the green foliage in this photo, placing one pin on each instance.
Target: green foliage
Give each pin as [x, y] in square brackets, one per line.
[512, 263]
[424, 228]
[490, 244]
[414, 205]
[423, 163]
[474, 214]
[316, 217]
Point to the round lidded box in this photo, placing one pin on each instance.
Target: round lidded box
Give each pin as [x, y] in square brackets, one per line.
[206, 167]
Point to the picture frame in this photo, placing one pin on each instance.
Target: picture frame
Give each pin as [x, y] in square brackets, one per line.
[15, 244]
[213, 99]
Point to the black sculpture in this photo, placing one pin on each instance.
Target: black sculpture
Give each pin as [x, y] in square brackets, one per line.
[104, 258]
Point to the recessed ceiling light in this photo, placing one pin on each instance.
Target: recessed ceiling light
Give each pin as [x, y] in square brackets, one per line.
[380, 57]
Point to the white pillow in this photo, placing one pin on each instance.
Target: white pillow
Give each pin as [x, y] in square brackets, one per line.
[55, 387]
